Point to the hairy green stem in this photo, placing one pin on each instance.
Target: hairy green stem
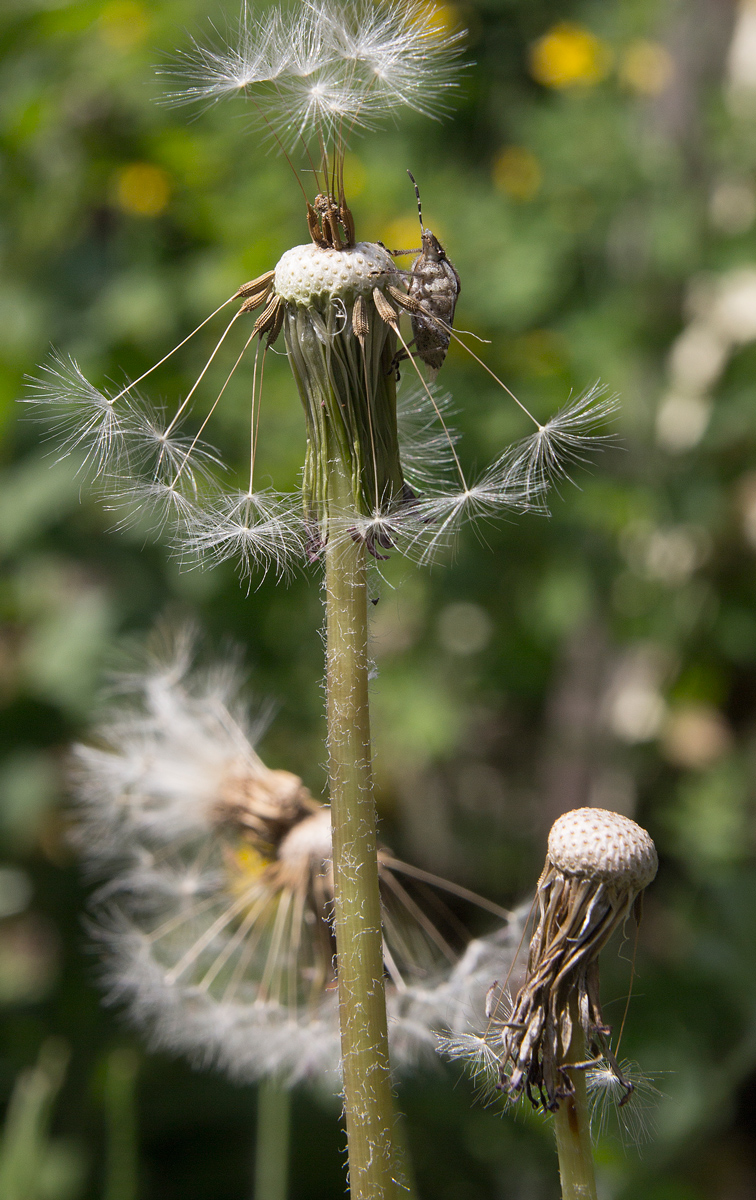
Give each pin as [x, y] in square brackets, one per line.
[368, 1105]
[573, 1126]
[272, 1148]
[122, 1182]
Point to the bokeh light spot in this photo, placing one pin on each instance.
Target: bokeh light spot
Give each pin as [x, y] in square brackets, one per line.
[569, 56]
[437, 18]
[517, 172]
[464, 628]
[124, 24]
[142, 189]
[355, 176]
[695, 736]
[646, 67]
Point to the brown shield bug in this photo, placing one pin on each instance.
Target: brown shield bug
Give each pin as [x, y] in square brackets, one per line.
[434, 284]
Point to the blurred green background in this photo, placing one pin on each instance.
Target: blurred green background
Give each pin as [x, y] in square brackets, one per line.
[596, 189]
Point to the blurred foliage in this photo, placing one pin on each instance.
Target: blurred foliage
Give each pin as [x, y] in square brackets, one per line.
[32, 1165]
[596, 189]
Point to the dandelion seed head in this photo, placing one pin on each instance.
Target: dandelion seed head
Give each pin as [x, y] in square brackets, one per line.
[597, 864]
[591, 843]
[216, 890]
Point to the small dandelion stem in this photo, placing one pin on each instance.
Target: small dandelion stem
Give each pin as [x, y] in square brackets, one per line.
[282, 148]
[272, 1141]
[493, 374]
[256, 418]
[201, 375]
[572, 1123]
[368, 1105]
[170, 353]
[210, 412]
[374, 457]
[122, 1174]
[638, 911]
[252, 424]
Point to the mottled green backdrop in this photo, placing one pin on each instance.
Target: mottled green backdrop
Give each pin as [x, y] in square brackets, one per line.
[596, 189]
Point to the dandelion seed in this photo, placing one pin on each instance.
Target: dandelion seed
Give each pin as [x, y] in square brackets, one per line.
[564, 440]
[608, 1094]
[425, 444]
[79, 416]
[260, 530]
[154, 503]
[258, 53]
[372, 57]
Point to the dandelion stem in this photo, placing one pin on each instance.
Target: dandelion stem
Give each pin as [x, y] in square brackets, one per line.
[572, 1123]
[368, 1105]
[122, 1150]
[272, 1141]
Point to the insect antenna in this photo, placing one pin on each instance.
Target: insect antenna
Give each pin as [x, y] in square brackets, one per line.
[417, 196]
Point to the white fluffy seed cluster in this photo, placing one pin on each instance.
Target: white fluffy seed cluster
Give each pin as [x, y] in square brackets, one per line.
[595, 844]
[308, 273]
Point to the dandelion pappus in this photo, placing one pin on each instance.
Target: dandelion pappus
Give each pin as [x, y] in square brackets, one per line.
[434, 285]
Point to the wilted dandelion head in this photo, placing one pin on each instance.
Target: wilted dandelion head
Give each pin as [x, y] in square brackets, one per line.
[216, 889]
[598, 863]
